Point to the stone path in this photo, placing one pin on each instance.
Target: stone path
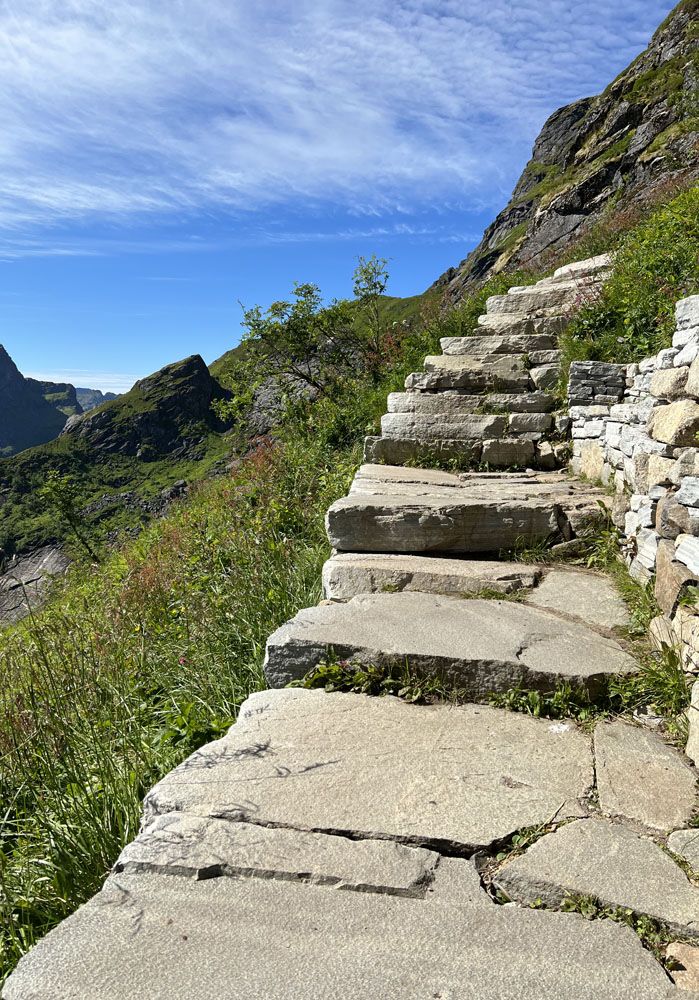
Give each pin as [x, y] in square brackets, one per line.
[342, 846]
[489, 398]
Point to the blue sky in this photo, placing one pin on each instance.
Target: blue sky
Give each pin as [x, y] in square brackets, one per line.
[162, 160]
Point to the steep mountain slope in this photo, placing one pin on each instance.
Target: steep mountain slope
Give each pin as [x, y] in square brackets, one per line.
[27, 417]
[62, 395]
[599, 155]
[124, 456]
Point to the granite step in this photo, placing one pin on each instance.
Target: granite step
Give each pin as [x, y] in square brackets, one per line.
[523, 451]
[490, 373]
[349, 574]
[504, 325]
[461, 403]
[477, 346]
[393, 509]
[481, 647]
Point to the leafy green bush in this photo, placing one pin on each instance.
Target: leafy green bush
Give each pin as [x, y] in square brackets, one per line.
[656, 264]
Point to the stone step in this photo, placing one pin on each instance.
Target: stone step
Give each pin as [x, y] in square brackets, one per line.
[164, 937]
[462, 403]
[480, 646]
[504, 452]
[508, 325]
[393, 509]
[304, 855]
[545, 298]
[594, 267]
[450, 426]
[348, 575]
[477, 346]
[612, 864]
[435, 426]
[493, 372]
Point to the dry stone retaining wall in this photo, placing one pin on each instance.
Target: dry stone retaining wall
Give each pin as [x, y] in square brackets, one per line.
[636, 427]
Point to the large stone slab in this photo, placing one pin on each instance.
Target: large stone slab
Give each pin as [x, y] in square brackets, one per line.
[641, 778]
[482, 646]
[507, 325]
[166, 938]
[435, 426]
[423, 449]
[610, 863]
[586, 595]
[493, 372]
[446, 404]
[201, 847]
[437, 776]
[477, 346]
[348, 574]
[391, 509]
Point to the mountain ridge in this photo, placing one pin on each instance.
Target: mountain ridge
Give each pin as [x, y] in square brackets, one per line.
[598, 157]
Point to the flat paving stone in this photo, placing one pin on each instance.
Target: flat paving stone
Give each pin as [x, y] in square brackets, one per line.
[482, 646]
[641, 778]
[201, 847]
[686, 844]
[590, 596]
[349, 574]
[394, 509]
[614, 865]
[168, 938]
[438, 776]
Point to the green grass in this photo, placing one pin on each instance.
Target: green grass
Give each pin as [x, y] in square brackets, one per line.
[656, 263]
[140, 660]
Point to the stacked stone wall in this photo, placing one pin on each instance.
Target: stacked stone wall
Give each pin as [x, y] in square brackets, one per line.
[636, 428]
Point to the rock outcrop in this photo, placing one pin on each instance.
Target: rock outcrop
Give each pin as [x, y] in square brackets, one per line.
[90, 398]
[28, 416]
[642, 132]
[167, 414]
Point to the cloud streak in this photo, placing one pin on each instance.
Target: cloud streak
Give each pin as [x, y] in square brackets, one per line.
[125, 110]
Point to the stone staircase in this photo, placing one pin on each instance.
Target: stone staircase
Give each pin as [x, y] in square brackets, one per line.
[489, 399]
[336, 845]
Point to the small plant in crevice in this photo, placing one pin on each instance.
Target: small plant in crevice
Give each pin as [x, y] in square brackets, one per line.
[654, 936]
[661, 685]
[564, 702]
[378, 679]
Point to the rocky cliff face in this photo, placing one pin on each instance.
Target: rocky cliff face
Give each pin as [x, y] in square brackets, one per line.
[27, 417]
[90, 398]
[598, 155]
[167, 414]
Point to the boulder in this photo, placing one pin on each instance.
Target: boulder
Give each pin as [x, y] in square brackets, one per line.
[670, 383]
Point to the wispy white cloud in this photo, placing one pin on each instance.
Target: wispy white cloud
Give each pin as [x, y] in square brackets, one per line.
[86, 379]
[118, 110]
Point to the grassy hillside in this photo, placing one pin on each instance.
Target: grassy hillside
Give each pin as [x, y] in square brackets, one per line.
[139, 661]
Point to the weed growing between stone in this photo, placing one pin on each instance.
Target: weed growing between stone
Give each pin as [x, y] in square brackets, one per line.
[652, 934]
[362, 678]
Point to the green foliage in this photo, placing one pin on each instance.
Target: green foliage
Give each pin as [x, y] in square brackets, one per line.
[656, 264]
[62, 495]
[565, 702]
[137, 663]
[363, 678]
[369, 282]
